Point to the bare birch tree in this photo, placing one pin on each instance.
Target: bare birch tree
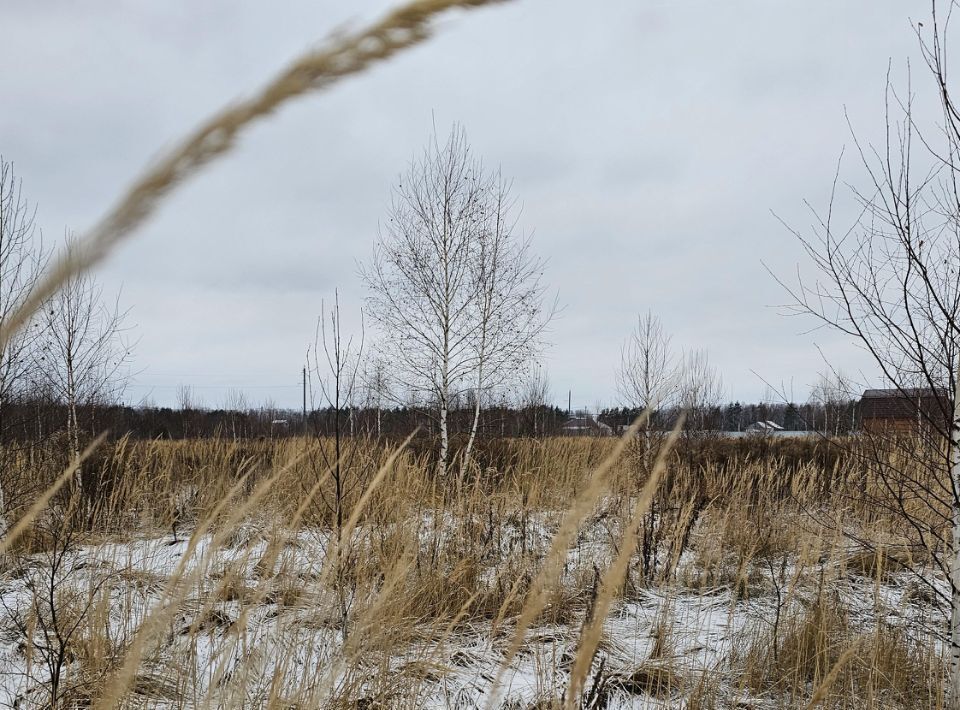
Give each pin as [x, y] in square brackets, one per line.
[455, 291]
[84, 353]
[333, 362]
[534, 397]
[375, 381]
[700, 388]
[833, 392]
[21, 263]
[648, 376]
[511, 313]
[22, 259]
[891, 283]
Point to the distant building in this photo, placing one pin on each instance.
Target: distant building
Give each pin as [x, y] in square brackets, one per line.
[766, 427]
[903, 410]
[585, 425]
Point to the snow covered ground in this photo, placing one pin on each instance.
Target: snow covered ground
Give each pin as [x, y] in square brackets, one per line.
[240, 633]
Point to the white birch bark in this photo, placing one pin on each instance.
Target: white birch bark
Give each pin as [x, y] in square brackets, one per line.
[468, 451]
[953, 686]
[444, 438]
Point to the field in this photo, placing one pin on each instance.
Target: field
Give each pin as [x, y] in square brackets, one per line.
[215, 574]
[197, 557]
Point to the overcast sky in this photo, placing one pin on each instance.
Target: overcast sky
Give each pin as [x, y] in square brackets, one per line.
[649, 143]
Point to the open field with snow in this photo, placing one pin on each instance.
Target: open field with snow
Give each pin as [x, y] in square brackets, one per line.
[213, 574]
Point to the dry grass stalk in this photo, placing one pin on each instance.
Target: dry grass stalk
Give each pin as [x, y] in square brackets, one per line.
[821, 692]
[41, 502]
[537, 598]
[343, 56]
[177, 588]
[614, 575]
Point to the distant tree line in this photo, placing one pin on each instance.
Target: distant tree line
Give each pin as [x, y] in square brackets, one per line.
[34, 421]
[28, 421]
[831, 418]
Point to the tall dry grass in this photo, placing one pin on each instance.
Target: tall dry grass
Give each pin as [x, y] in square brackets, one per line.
[211, 574]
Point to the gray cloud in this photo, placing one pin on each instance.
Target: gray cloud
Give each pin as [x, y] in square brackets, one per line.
[648, 143]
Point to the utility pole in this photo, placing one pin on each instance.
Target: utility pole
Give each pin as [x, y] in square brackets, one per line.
[569, 396]
[304, 401]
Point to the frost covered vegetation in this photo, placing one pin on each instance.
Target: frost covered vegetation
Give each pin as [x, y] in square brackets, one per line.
[216, 574]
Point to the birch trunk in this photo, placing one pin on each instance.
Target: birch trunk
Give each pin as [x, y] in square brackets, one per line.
[444, 439]
[476, 412]
[953, 698]
[445, 399]
[73, 435]
[647, 445]
[473, 435]
[3, 499]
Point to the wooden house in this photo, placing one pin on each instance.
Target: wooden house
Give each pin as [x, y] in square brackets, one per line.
[904, 410]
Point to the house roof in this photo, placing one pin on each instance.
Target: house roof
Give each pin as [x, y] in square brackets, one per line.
[764, 426]
[907, 403]
[905, 392]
